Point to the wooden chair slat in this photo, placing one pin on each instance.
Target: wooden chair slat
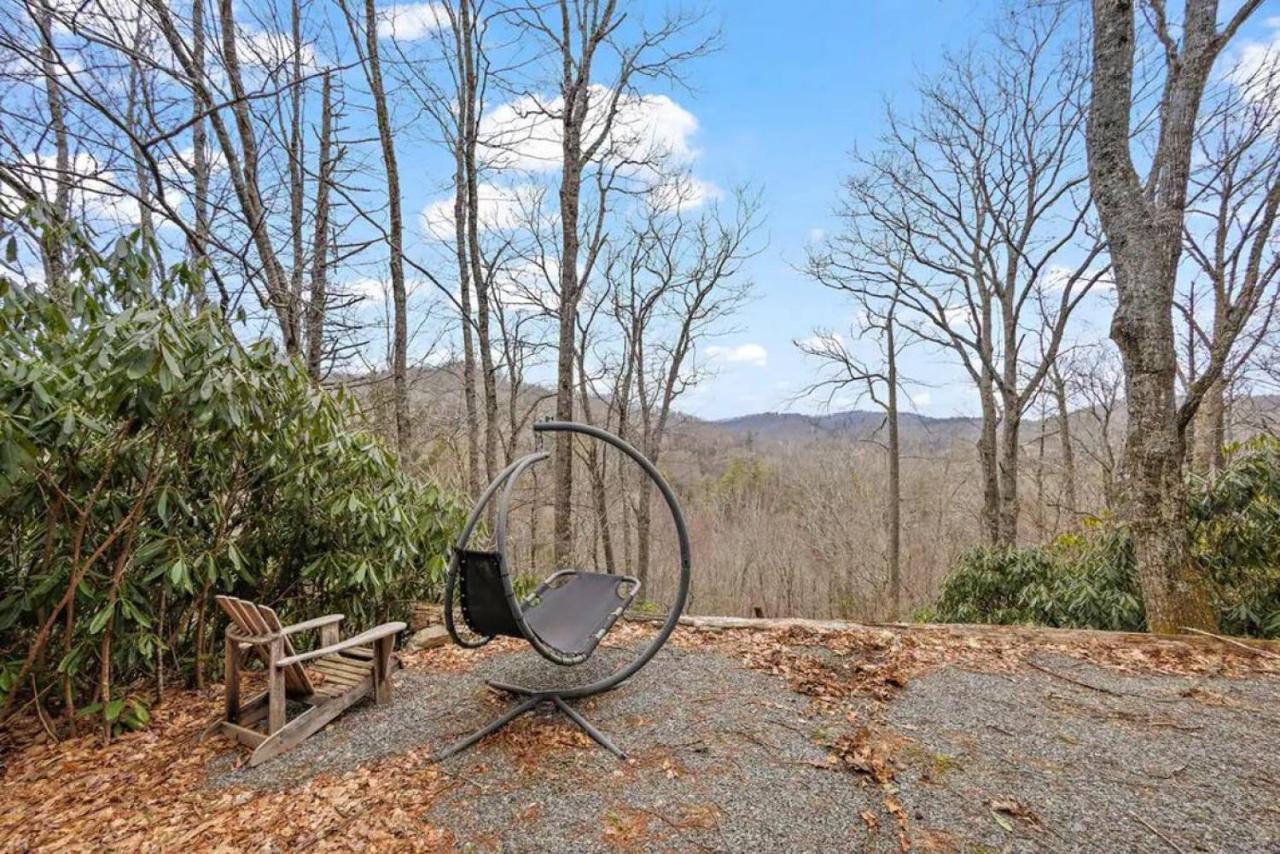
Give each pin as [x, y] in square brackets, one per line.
[340, 676]
[336, 663]
[245, 616]
[295, 675]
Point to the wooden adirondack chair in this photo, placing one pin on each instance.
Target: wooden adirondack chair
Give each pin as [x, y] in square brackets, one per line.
[344, 673]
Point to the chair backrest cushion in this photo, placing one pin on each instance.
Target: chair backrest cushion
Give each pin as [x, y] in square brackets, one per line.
[482, 595]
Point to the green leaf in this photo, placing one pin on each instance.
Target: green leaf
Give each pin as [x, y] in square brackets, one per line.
[100, 619]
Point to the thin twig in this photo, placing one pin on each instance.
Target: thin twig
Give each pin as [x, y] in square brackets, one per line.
[40, 711]
[1148, 826]
[1265, 653]
[1073, 680]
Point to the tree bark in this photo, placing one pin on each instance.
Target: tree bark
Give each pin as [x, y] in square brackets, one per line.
[320, 238]
[1144, 226]
[462, 208]
[1010, 448]
[247, 186]
[893, 518]
[1064, 443]
[395, 232]
[198, 250]
[51, 247]
[296, 153]
[987, 462]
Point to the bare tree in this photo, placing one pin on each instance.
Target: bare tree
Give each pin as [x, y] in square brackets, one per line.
[1235, 168]
[584, 39]
[683, 277]
[364, 32]
[986, 188]
[1062, 412]
[880, 382]
[321, 236]
[245, 172]
[1144, 223]
[51, 246]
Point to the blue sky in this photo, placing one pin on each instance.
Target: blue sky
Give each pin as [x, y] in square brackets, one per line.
[781, 106]
[795, 87]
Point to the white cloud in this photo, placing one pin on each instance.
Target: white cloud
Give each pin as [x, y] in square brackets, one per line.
[377, 290]
[817, 235]
[920, 398]
[822, 341]
[1056, 277]
[411, 21]
[525, 286]
[97, 191]
[1257, 67]
[959, 316]
[500, 208]
[181, 163]
[526, 133]
[752, 355]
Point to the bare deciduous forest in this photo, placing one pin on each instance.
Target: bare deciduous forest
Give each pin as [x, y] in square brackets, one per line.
[574, 265]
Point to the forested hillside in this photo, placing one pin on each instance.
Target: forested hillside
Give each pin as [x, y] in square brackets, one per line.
[285, 284]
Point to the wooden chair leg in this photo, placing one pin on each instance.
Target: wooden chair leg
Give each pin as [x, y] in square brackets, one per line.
[276, 687]
[382, 670]
[232, 677]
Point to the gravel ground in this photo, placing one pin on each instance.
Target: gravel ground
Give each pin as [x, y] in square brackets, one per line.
[1134, 763]
[720, 758]
[1061, 756]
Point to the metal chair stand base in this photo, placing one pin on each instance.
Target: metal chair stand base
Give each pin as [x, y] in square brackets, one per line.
[533, 698]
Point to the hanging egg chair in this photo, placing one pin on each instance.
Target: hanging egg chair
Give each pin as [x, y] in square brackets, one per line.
[568, 614]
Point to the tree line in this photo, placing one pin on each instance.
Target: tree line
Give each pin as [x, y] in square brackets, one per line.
[1115, 154]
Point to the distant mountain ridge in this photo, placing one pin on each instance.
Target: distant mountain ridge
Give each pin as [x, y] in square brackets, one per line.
[852, 423]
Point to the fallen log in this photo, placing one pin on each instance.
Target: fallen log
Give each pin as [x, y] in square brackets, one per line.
[1266, 648]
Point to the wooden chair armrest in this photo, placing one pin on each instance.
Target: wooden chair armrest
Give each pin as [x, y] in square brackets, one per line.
[362, 639]
[318, 622]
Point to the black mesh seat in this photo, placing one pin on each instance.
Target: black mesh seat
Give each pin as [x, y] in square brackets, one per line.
[576, 609]
[570, 611]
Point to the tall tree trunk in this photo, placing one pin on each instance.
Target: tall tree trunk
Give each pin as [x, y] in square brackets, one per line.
[480, 276]
[395, 233]
[987, 461]
[319, 289]
[1010, 448]
[596, 467]
[297, 181]
[142, 179]
[461, 214]
[51, 245]
[247, 186]
[1175, 590]
[1064, 443]
[893, 518]
[198, 250]
[1210, 433]
[570, 186]
[1144, 225]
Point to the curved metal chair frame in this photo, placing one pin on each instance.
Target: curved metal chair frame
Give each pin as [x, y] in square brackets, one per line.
[520, 625]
